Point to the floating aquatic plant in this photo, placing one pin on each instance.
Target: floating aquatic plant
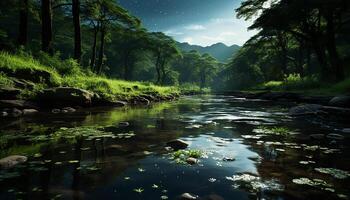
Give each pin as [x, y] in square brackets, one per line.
[282, 131]
[336, 173]
[181, 156]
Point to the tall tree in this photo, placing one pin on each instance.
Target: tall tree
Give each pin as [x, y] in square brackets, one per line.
[23, 22]
[77, 29]
[46, 23]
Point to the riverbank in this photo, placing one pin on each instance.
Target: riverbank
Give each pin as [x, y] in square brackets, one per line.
[27, 86]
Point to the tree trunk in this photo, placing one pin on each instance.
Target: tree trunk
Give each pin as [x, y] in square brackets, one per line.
[77, 30]
[93, 52]
[163, 74]
[101, 52]
[158, 68]
[334, 59]
[23, 23]
[46, 32]
[126, 66]
[321, 57]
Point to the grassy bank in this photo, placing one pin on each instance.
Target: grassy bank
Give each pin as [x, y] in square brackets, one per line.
[313, 86]
[48, 72]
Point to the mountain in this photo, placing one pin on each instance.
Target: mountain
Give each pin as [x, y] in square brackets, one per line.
[219, 51]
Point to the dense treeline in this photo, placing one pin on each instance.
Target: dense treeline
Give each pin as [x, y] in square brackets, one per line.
[103, 38]
[304, 40]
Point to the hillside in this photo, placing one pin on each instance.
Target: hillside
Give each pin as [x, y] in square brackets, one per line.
[220, 51]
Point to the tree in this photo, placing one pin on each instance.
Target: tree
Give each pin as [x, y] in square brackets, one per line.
[104, 15]
[46, 31]
[165, 49]
[23, 22]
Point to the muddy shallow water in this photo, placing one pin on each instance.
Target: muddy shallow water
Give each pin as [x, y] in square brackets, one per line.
[250, 150]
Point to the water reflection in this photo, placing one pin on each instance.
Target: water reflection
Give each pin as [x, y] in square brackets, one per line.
[92, 156]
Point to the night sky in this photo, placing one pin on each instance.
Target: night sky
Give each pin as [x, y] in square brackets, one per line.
[202, 22]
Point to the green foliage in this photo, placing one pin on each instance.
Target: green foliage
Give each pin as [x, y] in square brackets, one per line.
[64, 67]
[192, 88]
[5, 80]
[111, 88]
[181, 156]
[282, 131]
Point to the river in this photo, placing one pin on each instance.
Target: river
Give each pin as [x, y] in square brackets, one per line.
[249, 149]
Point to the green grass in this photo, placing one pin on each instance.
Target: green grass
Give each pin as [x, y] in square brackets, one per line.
[309, 85]
[25, 67]
[283, 131]
[191, 88]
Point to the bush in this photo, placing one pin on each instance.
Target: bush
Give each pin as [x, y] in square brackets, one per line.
[63, 67]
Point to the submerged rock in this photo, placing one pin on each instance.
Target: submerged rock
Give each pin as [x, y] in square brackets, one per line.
[177, 144]
[188, 196]
[11, 161]
[29, 111]
[335, 136]
[340, 101]
[307, 109]
[191, 161]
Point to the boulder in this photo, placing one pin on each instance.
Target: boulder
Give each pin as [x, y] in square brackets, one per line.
[9, 93]
[177, 144]
[21, 104]
[11, 161]
[340, 101]
[64, 97]
[307, 109]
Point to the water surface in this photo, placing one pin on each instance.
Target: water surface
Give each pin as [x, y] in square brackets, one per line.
[90, 155]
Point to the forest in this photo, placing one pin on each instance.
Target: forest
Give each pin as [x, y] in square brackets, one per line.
[298, 44]
[175, 99]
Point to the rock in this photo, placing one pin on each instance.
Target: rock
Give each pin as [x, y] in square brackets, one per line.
[188, 196]
[97, 100]
[177, 144]
[340, 101]
[14, 112]
[335, 136]
[11, 161]
[68, 110]
[346, 130]
[123, 124]
[65, 96]
[140, 100]
[191, 161]
[229, 159]
[307, 109]
[29, 111]
[56, 111]
[317, 136]
[17, 104]
[3, 114]
[9, 93]
[30, 74]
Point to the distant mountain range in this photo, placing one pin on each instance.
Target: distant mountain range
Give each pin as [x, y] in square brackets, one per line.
[219, 51]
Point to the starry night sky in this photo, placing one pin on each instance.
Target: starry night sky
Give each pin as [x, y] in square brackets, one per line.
[202, 22]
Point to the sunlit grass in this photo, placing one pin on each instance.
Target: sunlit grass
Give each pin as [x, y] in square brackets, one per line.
[110, 88]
